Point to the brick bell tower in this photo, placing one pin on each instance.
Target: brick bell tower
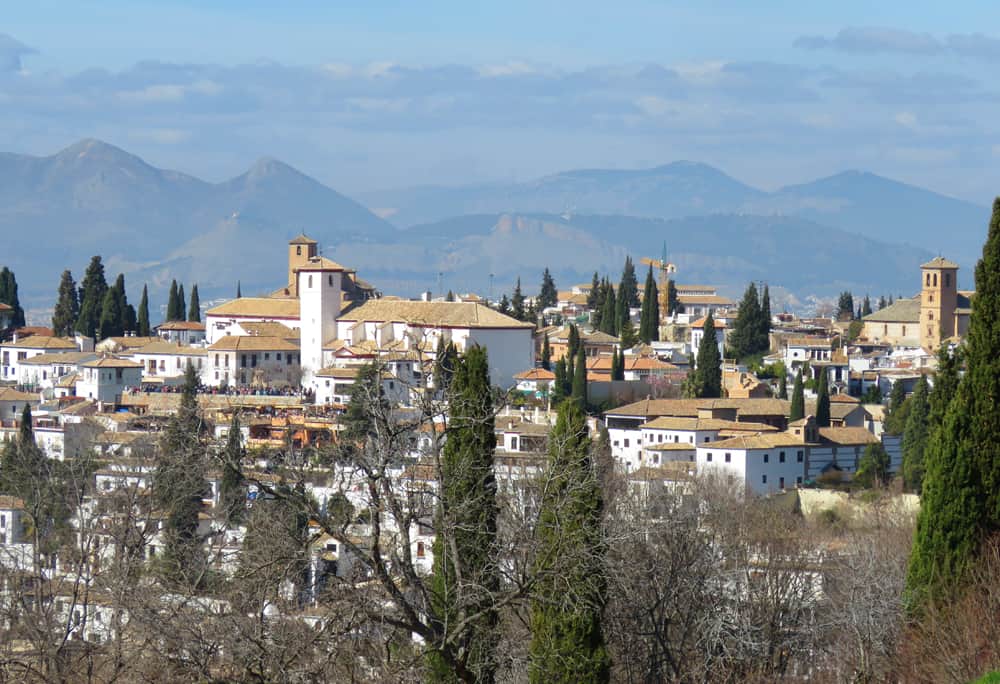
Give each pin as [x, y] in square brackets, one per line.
[938, 301]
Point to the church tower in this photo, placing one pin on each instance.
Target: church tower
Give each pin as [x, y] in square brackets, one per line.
[938, 301]
[319, 284]
[300, 251]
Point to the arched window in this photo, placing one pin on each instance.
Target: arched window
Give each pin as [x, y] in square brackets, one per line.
[928, 279]
[329, 280]
[298, 250]
[935, 280]
[310, 282]
[947, 280]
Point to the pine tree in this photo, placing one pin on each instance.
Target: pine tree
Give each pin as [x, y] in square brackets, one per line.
[579, 389]
[548, 296]
[181, 303]
[797, 410]
[546, 353]
[232, 488]
[845, 306]
[567, 641]
[142, 324]
[744, 340]
[111, 316]
[194, 309]
[173, 308]
[517, 302]
[8, 295]
[179, 485]
[594, 295]
[504, 305]
[466, 572]
[708, 368]
[866, 307]
[67, 307]
[823, 400]
[783, 386]
[915, 436]
[649, 317]
[609, 311]
[92, 291]
[960, 506]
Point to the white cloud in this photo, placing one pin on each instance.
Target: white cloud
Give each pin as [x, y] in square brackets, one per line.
[161, 136]
[507, 69]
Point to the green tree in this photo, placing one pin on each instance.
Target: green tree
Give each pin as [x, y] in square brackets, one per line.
[92, 291]
[579, 389]
[628, 289]
[111, 316]
[8, 295]
[882, 303]
[67, 306]
[866, 307]
[915, 436]
[562, 385]
[628, 335]
[946, 381]
[744, 340]
[466, 572]
[548, 296]
[366, 398]
[823, 400]
[181, 303]
[845, 306]
[143, 328]
[194, 309]
[873, 467]
[649, 317]
[620, 363]
[764, 330]
[239, 290]
[445, 362]
[895, 415]
[673, 303]
[783, 386]
[707, 376]
[797, 411]
[609, 311]
[504, 305]
[960, 506]
[450, 297]
[232, 487]
[546, 353]
[567, 641]
[594, 295]
[173, 307]
[179, 485]
[517, 302]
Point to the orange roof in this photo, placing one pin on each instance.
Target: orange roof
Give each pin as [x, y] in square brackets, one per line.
[181, 325]
[536, 374]
[700, 323]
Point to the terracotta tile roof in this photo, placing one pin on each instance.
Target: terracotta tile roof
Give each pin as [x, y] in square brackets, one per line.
[433, 314]
[58, 357]
[253, 343]
[111, 362]
[341, 373]
[302, 239]
[847, 436]
[271, 329]
[42, 342]
[939, 262]
[686, 423]
[11, 394]
[535, 374]
[771, 440]
[11, 503]
[320, 263]
[704, 299]
[900, 311]
[700, 323]
[672, 446]
[158, 346]
[258, 307]
[181, 325]
[690, 407]
[6, 307]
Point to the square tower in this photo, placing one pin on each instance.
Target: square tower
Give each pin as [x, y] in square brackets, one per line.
[938, 301]
[319, 285]
[300, 251]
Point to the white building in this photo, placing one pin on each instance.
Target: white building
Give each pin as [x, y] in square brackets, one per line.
[105, 379]
[252, 361]
[163, 359]
[13, 353]
[182, 332]
[45, 370]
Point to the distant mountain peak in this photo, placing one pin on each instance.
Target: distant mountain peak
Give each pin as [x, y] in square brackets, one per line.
[92, 149]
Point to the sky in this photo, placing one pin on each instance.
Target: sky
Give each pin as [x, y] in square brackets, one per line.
[377, 94]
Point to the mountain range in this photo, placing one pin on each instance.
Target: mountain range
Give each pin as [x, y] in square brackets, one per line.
[850, 231]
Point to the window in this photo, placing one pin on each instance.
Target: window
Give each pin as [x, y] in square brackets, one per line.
[947, 280]
[267, 356]
[927, 281]
[935, 280]
[781, 482]
[309, 282]
[216, 360]
[766, 457]
[331, 546]
[729, 457]
[930, 315]
[3, 520]
[930, 298]
[277, 357]
[781, 457]
[421, 550]
[329, 280]
[298, 250]
[708, 439]
[763, 479]
[708, 457]
[626, 444]
[799, 457]
[904, 331]
[798, 480]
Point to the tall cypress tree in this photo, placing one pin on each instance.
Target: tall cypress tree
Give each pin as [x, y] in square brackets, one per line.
[179, 485]
[628, 289]
[547, 295]
[194, 309]
[673, 304]
[866, 306]
[8, 295]
[546, 353]
[823, 399]
[609, 311]
[92, 291]
[239, 290]
[895, 415]
[466, 572]
[517, 302]
[649, 317]
[559, 391]
[593, 297]
[173, 308]
[111, 316]
[567, 642]
[232, 488]
[915, 436]
[67, 306]
[960, 506]
[707, 382]
[797, 411]
[181, 303]
[142, 323]
[783, 386]
[579, 390]
[744, 340]
[764, 327]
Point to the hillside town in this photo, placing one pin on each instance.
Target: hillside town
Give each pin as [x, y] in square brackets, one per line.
[328, 400]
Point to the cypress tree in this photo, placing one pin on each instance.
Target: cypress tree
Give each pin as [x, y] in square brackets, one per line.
[823, 399]
[627, 335]
[882, 303]
[92, 291]
[181, 303]
[573, 343]
[620, 363]
[866, 307]
[628, 289]
[466, 572]
[960, 506]
[111, 316]
[567, 641]
[764, 331]
[179, 486]
[142, 323]
[649, 317]
[708, 369]
[67, 306]
[579, 389]
[8, 295]
[673, 304]
[239, 290]
[744, 340]
[173, 309]
[194, 309]
[504, 305]
[450, 297]
[548, 295]
[895, 417]
[232, 488]
[517, 302]
[615, 368]
[783, 386]
[594, 295]
[946, 381]
[559, 391]
[546, 353]
[609, 311]
[797, 411]
[915, 436]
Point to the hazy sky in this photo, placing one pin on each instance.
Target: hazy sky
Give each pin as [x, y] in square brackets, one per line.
[365, 95]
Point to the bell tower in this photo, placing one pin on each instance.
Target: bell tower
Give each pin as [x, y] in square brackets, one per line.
[300, 251]
[938, 301]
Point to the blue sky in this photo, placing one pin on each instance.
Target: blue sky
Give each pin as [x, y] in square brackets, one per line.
[385, 94]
